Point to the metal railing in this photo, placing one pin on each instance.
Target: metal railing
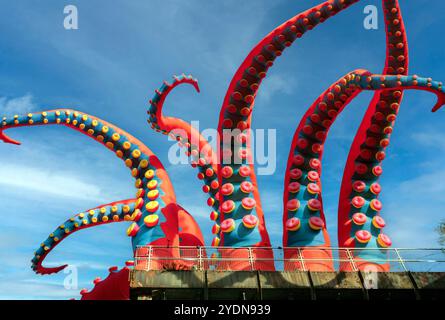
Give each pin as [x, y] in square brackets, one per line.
[290, 258]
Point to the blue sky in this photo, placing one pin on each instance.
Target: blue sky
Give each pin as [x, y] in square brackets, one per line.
[123, 50]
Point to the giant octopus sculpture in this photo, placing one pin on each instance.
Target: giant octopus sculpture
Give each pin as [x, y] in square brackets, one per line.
[228, 173]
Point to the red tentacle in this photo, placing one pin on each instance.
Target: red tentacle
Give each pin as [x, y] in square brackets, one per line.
[116, 286]
[155, 193]
[197, 147]
[374, 128]
[236, 113]
[105, 214]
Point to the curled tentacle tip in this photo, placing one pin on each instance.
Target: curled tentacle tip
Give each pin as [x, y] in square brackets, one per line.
[7, 139]
[186, 79]
[43, 271]
[440, 102]
[129, 263]
[196, 85]
[113, 269]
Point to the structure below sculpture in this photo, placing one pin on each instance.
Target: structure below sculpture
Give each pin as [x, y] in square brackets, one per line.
[160, 228]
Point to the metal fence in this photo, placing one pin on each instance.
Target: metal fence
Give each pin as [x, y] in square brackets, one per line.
[291, 258]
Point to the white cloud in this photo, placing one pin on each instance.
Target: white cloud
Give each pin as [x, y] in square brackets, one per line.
[86, 265]
[413, 209]
[276, 84]
[17, 105]
[433, 139]
[424, 186]
[55, 183]
[34, 291]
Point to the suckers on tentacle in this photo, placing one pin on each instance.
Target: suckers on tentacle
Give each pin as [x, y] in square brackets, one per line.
[236, 113]
[154, 197]
[197, 147]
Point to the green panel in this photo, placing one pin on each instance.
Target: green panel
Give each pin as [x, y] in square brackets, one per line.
[284, 280]
[336, 280]
[390, 280]
[430, 280]
[167, 279]
[232, 279]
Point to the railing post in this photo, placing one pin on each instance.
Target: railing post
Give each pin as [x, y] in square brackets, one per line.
[300, 257]
[351, 259]
[200, 256]
[402, 263]
[251, 261]
[150, 249]
[136, 257]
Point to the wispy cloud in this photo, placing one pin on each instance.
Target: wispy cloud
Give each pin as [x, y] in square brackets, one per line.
[35, 291]
[277, 84]
[414, 214]
[54, 183]
[424, 186]
[210, 40]
[17, 105]
[430, 138]
[87, 265]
